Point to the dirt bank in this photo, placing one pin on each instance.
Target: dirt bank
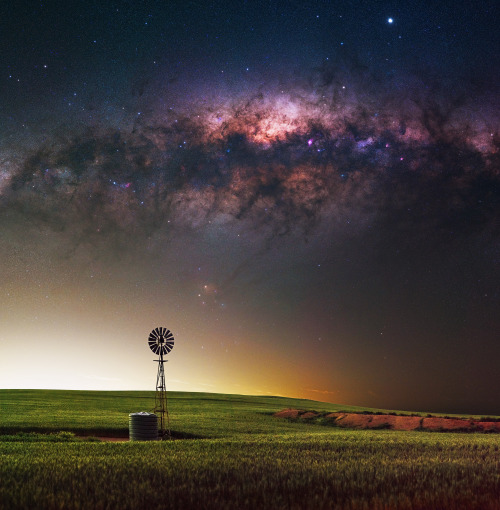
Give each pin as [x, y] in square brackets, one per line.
[391, 421]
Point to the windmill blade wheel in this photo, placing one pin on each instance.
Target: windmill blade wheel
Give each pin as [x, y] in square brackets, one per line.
[161, 341]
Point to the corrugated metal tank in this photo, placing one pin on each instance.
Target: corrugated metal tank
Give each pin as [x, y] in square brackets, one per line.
[143, 426]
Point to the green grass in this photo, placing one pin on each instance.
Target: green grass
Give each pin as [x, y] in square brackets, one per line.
[97, 412]
[246, 459]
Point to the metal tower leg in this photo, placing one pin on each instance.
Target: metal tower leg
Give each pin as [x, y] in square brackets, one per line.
[161, 399]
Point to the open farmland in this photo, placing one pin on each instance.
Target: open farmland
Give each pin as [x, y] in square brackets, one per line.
[234, 455]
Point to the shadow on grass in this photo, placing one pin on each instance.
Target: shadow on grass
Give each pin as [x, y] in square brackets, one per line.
[11, 434]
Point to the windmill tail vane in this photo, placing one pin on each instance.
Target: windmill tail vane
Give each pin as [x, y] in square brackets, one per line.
[161, 342]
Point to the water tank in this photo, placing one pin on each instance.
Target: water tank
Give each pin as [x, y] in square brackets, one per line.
[143, 426]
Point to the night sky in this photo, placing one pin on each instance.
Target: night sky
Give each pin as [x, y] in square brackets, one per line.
[307, 194]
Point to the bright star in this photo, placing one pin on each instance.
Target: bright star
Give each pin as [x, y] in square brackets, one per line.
[390, 20]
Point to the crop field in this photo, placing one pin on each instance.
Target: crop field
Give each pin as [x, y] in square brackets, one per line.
[229, 452]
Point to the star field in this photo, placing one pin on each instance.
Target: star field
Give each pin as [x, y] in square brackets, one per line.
[290, 188]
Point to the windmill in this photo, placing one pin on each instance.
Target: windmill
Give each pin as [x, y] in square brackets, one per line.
[161, 342]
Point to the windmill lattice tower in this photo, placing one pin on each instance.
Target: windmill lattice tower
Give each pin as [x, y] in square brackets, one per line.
[161, 342]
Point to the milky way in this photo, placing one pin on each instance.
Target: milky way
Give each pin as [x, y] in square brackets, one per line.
[274, 160]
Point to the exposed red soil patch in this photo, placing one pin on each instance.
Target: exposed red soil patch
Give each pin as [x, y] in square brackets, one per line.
[308, 415]
[436, 423]
[394, 422]
[406, 422]
[288, 413]
[488, 426]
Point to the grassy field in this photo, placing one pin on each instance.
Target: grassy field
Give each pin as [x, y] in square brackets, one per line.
[238, 456]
